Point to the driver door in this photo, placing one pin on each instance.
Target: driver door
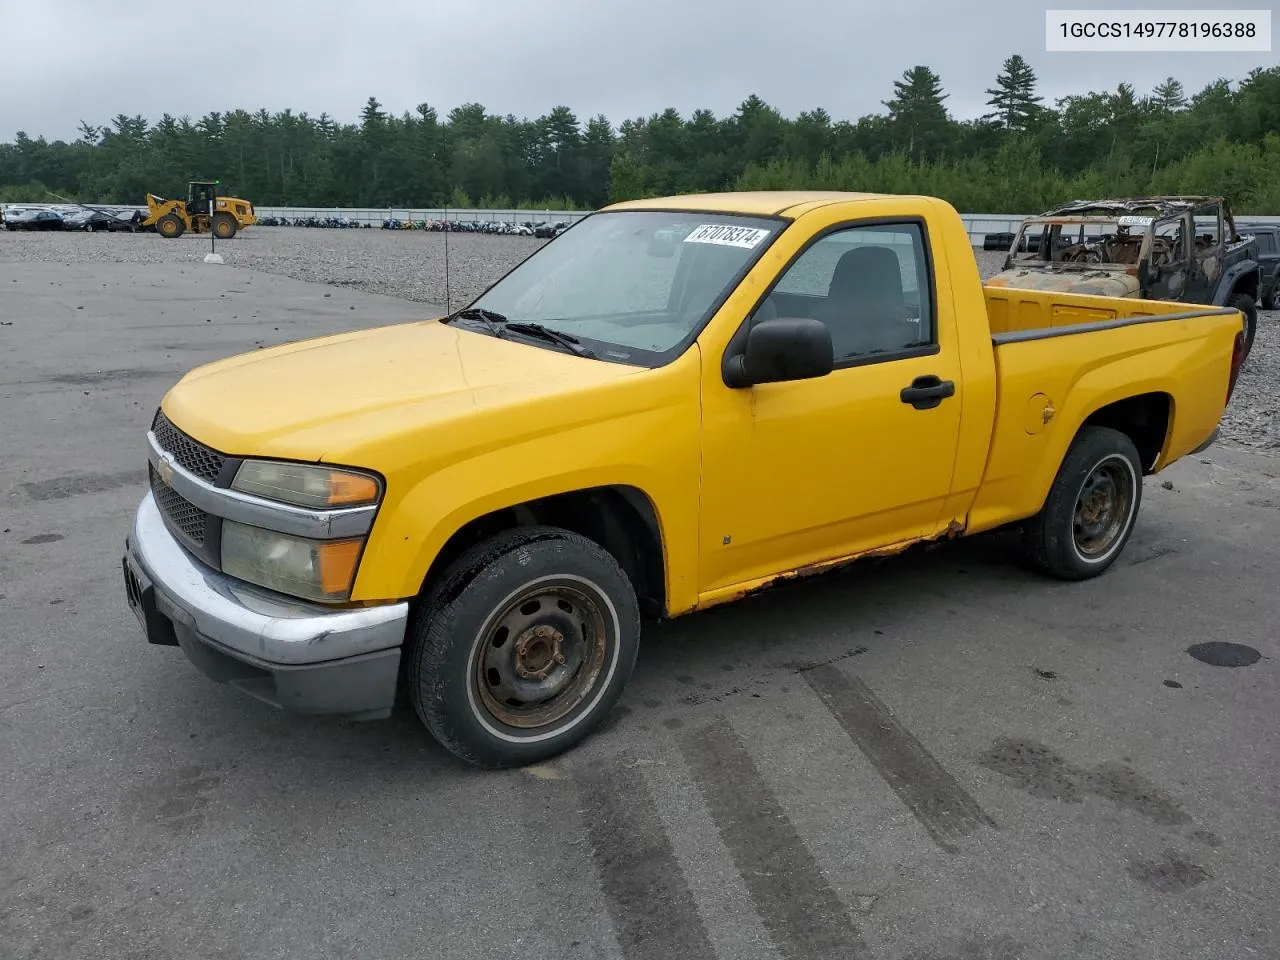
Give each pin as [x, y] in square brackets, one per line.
[799, 472]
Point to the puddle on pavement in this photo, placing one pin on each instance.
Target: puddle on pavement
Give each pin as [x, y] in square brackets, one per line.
[1219, 653]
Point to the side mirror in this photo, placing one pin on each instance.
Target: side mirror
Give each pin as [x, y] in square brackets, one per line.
[782, 348]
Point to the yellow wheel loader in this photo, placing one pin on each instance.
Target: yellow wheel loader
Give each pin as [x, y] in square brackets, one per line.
[202, 211]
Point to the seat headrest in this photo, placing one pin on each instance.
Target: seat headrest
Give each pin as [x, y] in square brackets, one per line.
[868, 270]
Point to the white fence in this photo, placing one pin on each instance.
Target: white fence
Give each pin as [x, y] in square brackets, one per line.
[376, 215]
[978, 225]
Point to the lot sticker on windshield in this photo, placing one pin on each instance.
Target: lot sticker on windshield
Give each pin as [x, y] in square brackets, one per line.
[727, 236]
[1131, 220]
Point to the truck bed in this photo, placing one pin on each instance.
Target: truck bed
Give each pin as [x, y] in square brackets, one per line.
[1061, 357]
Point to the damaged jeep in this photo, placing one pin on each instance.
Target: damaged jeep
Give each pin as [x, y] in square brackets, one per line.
[1183, 248]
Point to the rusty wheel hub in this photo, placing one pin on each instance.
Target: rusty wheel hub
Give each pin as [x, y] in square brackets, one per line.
[537, 649]
[1103, 507]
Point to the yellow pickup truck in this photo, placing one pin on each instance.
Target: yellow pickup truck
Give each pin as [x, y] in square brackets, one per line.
[675, 403]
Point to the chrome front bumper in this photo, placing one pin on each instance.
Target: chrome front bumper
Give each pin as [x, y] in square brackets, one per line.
[297, 656]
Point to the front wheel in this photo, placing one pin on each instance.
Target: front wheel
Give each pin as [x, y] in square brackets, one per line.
[523, 647]
[1245, 304]
[170, 226]
[224, 226]
[1091, 508]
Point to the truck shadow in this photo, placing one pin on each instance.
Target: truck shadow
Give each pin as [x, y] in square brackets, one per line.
[796, 621]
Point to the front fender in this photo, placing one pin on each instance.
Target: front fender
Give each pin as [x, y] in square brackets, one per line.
[654, 449]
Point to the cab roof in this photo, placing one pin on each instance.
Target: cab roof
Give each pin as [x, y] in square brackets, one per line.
[756, 203]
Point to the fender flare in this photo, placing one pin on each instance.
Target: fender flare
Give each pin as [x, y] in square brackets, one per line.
[1230, 279]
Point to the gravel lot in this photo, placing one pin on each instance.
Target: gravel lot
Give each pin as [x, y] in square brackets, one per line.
[935, 757]
[410, 265]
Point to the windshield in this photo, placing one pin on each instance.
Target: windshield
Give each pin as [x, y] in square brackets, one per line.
[633, 286]
[1087, 242]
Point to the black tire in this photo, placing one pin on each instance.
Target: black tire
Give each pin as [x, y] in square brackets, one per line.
[454, 692]
[170, 226]
[1246, 305]
[224, 226]
[1273, 299]
[1104, 466]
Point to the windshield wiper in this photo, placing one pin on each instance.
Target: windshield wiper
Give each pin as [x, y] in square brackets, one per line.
[567, 340]
[489, 318]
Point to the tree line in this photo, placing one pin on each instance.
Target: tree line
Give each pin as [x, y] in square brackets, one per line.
[1022, 156]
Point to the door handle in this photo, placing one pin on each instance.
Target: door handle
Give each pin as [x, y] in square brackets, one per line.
[927, 392]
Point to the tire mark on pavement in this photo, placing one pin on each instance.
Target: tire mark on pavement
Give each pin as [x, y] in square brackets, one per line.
[943, 807]
[796, 905]
[60, 488]
[653, 910]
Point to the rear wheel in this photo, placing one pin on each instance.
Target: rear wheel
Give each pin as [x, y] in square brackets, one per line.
[1091, 508]
[170, 226]
[224, 226]
[523, 647]
[1245, 304]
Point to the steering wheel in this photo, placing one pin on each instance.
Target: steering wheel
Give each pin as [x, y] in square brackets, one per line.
[1085, 255]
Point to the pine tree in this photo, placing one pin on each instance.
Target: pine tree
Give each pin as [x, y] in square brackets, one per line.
[916, 111]
[1013, 96]
[1169, 96]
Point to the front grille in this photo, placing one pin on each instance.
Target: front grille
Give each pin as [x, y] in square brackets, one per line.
[192, 456]
[178, 510]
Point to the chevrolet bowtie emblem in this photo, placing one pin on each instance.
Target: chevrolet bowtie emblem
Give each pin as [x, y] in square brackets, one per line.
[165, 468]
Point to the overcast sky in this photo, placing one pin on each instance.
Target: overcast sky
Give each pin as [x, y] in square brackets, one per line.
[63, 61]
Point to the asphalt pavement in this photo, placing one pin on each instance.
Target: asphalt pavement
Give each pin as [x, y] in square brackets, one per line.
[934, 757]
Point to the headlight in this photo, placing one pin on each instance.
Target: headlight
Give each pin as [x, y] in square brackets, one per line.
[306, 484]
[321, 570]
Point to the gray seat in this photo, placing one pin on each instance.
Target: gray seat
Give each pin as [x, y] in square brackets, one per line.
[865, 302]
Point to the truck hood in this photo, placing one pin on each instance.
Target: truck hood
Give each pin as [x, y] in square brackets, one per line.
[1115, 282]
[306, 399]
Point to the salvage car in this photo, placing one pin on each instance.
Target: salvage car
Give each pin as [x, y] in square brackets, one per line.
[1185, 249]
[675, 404]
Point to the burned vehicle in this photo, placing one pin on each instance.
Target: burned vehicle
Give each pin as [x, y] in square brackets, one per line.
[1184, 248]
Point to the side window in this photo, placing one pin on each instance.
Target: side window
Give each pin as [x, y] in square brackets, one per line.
[870, 285]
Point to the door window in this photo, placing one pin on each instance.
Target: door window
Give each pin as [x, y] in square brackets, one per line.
[869, 284]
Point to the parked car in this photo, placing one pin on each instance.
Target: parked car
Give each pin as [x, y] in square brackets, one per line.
[1267, 236]
[1185, 249]
[675, 404]
[26, 217]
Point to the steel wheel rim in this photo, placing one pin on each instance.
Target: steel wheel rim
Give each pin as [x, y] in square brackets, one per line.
[1103, 506]
[540, 655]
